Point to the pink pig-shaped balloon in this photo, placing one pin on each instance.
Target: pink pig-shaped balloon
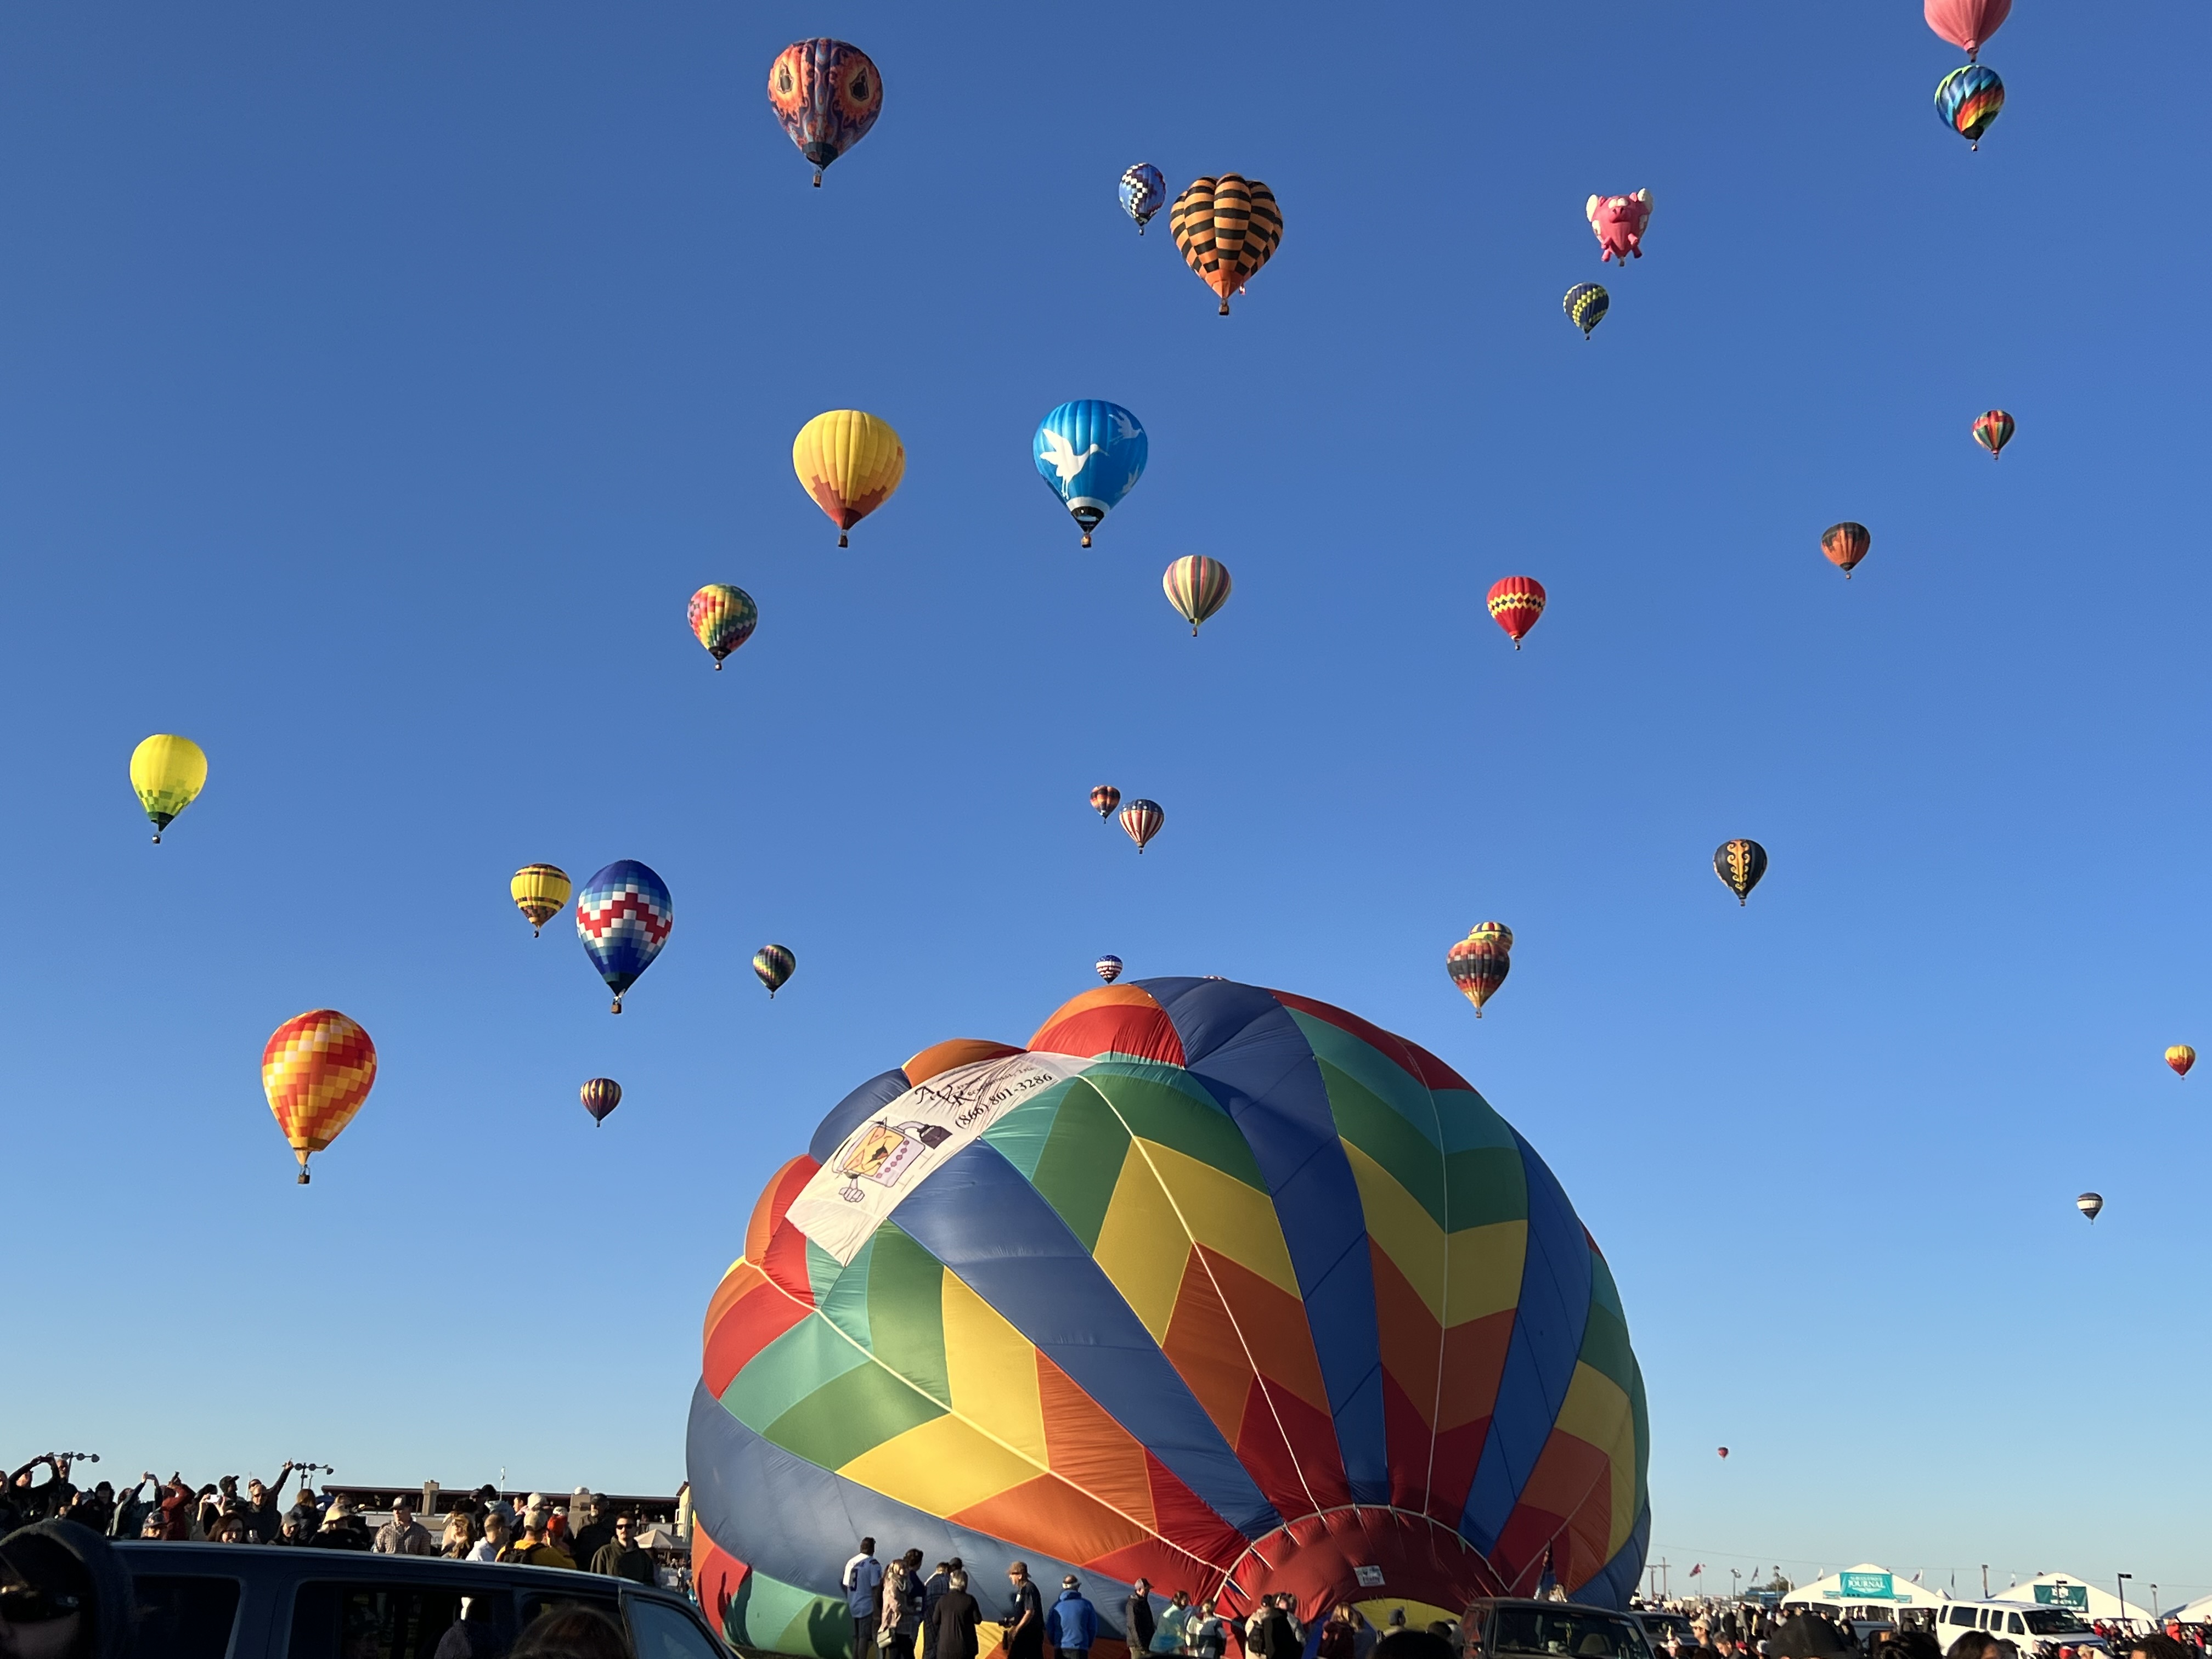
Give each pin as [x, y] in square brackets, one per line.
[1618, 223]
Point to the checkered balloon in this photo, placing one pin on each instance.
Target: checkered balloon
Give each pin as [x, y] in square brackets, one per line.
[623, 916]
[317, 1069]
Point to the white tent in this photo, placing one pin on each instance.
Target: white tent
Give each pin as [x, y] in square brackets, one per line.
[2066, 1589]
[1864, 1586]
[2198, 1611]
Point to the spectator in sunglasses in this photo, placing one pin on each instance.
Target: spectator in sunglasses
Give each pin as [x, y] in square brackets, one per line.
[64, 1594]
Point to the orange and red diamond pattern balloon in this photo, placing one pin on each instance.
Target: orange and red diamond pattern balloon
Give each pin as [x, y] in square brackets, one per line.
[317, 1070]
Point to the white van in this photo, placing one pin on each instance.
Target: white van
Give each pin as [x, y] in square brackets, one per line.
[2032, 1626]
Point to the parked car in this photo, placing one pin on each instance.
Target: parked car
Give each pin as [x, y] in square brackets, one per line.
[2029, 1624]
[1657, 1623]
[1517, 1626]
[261, 1602]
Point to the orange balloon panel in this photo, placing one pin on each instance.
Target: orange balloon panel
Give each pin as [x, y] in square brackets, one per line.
[317, 1070]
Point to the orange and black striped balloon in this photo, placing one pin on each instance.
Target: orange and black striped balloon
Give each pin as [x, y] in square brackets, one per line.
[1739, 864]
[1845, 545]
[1227, 228]
[1516, 601]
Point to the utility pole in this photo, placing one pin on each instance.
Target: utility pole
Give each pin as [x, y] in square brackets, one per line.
[1985, 1581]
[2123, 1579]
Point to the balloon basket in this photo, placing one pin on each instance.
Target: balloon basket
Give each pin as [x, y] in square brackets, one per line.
[841, 542]
[617, 1005]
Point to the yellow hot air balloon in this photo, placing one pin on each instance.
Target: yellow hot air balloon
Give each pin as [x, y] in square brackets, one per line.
[168, 773]
[538, 890]
[850, 463]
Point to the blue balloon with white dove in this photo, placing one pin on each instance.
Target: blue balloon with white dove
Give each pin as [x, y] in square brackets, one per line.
[1092, 453]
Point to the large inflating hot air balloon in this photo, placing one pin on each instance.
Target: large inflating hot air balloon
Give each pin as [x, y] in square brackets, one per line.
[1196, 586]
[1091, 453]
[1967, 99]
[1966, 24]
[1213, 1286]
[722, 618]
[624, 916]
[317, 1068]
[1227, 229]
[167, 774]
[850, 463]
[1144, 193]
[827, 95]
[538, 890]
[1617, 222]
[1516, 601]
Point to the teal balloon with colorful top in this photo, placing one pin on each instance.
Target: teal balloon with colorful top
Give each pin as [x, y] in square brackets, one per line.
[1092, 453]
[1967, 99]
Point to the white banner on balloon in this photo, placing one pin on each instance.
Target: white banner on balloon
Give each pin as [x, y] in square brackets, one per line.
[893, 1151]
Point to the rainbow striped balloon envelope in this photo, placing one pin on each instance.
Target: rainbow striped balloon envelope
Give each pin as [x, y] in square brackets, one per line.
[1214, 1286]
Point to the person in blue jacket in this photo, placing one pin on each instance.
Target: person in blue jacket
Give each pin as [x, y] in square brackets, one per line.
[1072, 1624]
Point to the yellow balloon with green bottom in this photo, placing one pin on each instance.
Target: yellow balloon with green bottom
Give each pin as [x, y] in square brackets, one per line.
[168, 773]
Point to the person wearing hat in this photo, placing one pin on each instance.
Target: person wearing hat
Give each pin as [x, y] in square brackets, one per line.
[64, 1594]
[342, 1528]
[1072, 1624]
[1023, 1624]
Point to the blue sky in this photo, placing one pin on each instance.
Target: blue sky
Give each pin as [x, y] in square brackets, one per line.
[374, 389]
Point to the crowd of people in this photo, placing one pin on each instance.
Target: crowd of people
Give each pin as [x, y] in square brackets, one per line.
[899, 1611]
[1725, 1630]
[582, 1533]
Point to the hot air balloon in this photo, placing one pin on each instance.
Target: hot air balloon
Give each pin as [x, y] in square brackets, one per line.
[2090, 1204]
[723, 617]
[1493, 930]
[1213, 1284]
[773, 964]
[1196, 586]
[1141, 820]
[1617, 222]
[1109, 969]
[1092, 453]
[1586, 304]
[850, 463]
[538, 890]
[1226, 228]
[1845, 545]
[1966, 24]
[623, 916]
[1739, 864]
[1144, 193]
[316, 1068]
[168, 773]
[1516, 601]
[1723, 1451]
[1967, 99]
[2181, 1057]
[1479, 965]
[601, 1096]
[827, 95]
[1104, 799]
[1993, 431]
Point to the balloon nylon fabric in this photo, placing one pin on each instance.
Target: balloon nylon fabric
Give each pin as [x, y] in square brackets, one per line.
[1213, 1284]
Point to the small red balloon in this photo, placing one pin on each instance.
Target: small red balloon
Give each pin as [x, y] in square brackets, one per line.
[1723, 1451]
[1516, 601]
